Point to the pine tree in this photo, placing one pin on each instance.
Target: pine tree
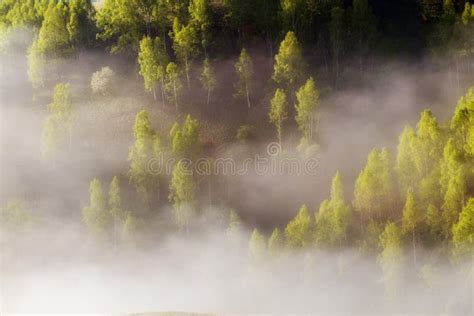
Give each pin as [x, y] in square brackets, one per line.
[115, 206]
[173, 84]
[307, 110]
[208, 79]
[152, 60]
[182, 194]
[463, 231]
[95, 215]
[57, 129]
[299, 229]
[278, 114]
[391, 259]
[184, 46]
[411, 219]
[289, 63]
[244, 71]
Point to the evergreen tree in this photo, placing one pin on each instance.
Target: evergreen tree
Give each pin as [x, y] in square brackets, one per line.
[278, 114]
[95, 215]
[411, 219]
[57, 129]
[173, 84]
[299, 229]
[289, 63]
[182, 194]
[391, 259]
[306, 110]
[463, 231]
[152, 60]
[244, 71]
[208, 79]
[184, 46]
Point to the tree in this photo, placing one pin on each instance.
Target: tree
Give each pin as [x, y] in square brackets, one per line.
[244, 71]
[57, 129]
[15, 215]
[363, 28]
[235, 228]
[333, 218]
[278, 114]
[185, 139]
[182, 194]
[405, 165]
[115, 205]
[373, 190]
[53, 37]
[184, 46]
[336, 29]
[391, 259]
[173, 83]
[299, 229]
[257, 247]
[463, 118]
[434, 222]
[275, 243]
[289, 63]
[102, 81]
[410, 220]
[131, 228]
[453, 200]
[36, 65]
[306, 111]
[79, 23]
[208, 79]
[144, 149]
[463, 231]
[152, 59]
[95, 215]
[199, 12]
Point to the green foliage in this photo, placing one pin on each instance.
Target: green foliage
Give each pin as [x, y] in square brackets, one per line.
[184, 46]
[333, 218]
[391, 259]
[96, 216]
[208, 79]
[80, 23]
[278, 113]
[289, 64]
[36, 65]
[463, 231]
[182, 194]
[131, 229]
[453, 200]
[405, 165]
[275, 243]
[244, 71]
[370, 241]
[145, 148]
[185, 139]
[235, 227]
[307, 116]
[57, 129]
[152, 59]
[245, 133]
[434, 221]
[374, 191]
[200, 19]
[53, 37]
[299, 230]
[463, 120]
[173, 84]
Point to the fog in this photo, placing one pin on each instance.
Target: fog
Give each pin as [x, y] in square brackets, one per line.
[52, 265]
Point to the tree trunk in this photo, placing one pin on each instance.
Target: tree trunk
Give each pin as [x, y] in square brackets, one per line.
[247, 94]
[175, 97]
[186, 66]
[208, 96]
[154, 93]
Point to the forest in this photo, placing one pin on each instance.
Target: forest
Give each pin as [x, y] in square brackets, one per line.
[237, 156]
